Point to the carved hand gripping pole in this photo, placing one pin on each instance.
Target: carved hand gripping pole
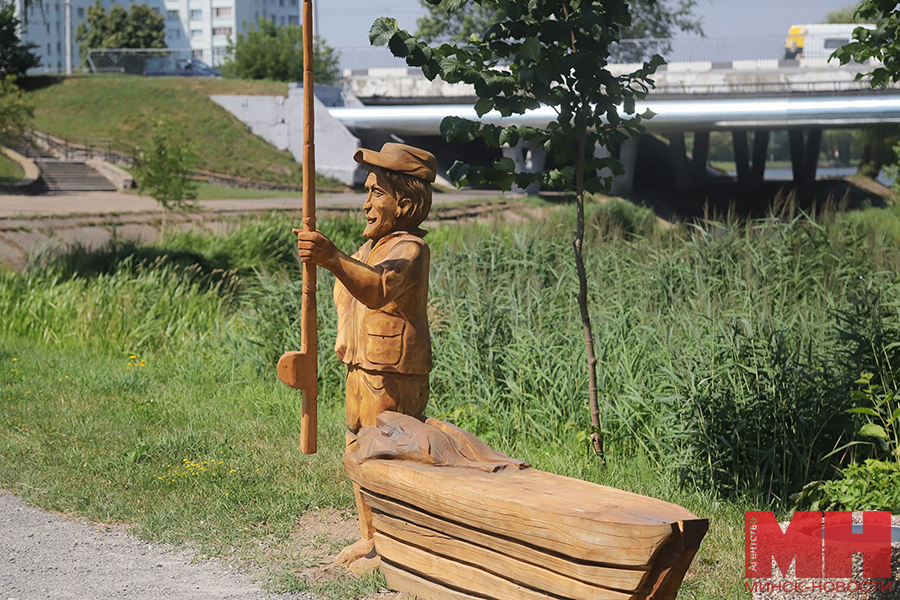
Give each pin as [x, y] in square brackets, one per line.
[299, 370]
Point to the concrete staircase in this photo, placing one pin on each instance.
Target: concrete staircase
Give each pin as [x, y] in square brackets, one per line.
[71, 176]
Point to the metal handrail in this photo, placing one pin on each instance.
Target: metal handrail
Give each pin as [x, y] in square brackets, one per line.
[106, 148]
[26, 149]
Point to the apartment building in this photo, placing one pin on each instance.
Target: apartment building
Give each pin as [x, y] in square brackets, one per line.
[203, 26]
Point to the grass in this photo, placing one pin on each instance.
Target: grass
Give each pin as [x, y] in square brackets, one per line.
[196, 449]
[727, 357]
[9, 170]
[124, 108]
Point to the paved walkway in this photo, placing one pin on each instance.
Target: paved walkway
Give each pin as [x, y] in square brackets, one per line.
[92, 218]
[94, 203]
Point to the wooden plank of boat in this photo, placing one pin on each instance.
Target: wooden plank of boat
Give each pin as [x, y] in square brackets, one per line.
[450, 551]
[620, 578]
[401, 579]
[452, 573]
[568, 516]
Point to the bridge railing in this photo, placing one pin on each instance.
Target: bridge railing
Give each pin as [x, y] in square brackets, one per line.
[686, 49]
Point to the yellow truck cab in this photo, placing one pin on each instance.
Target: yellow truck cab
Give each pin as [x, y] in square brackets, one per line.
[817, 41]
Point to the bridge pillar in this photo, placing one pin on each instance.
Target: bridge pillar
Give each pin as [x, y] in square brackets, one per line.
[760, 153]
[805, 154]
[741, 155]
[529, 158]
[699, 157]
[750, 171]
[681, 166]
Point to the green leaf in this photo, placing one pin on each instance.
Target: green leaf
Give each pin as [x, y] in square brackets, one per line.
[505, 164]
[458, 172]
[863, 411]
[509, 136]
[531, 49]
[895, 415]
[873, 430]
[383, 29]
[398, 46]
[484, 106]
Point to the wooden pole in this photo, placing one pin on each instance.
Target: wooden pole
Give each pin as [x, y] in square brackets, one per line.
[309, 338]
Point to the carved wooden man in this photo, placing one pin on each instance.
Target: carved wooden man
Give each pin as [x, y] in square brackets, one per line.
[381, 297]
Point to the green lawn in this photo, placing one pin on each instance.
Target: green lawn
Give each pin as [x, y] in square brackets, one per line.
[9, 170]
[124, 108]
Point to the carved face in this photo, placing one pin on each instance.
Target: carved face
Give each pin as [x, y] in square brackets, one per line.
[384, 211]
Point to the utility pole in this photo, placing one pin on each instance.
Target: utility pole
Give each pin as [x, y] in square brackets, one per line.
[68, 37]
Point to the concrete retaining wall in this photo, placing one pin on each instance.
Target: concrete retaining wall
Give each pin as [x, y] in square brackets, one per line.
[279, 121]
[119, 177]
[30, 183]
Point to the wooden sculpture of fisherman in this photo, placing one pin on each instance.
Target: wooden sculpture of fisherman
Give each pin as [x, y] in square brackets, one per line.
[381, 297]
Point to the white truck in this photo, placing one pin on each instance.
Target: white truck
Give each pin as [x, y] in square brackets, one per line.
[817, 41]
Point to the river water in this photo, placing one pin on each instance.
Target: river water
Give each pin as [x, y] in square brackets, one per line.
[822, 172]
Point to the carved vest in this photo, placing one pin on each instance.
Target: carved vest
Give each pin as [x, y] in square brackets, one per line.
[393, 337]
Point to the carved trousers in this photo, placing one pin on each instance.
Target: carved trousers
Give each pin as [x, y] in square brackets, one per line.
[370, 393]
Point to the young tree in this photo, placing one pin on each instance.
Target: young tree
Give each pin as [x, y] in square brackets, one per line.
[881, 43]
[15, 57]
[16, 111]
[655, 20]
[138, 27]
[273, 52]
[545, 52]
[163, 170]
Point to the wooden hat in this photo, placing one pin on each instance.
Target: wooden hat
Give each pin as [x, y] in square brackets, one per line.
[402, 159]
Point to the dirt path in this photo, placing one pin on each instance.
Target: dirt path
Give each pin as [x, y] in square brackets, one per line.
[45, 556]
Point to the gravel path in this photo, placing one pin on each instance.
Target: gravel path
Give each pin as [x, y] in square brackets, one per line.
[45, 556]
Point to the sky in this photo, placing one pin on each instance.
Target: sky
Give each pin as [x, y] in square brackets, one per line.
[345, 23]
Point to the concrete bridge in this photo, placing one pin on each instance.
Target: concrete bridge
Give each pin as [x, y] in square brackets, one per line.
[675, 81]
[748, 98]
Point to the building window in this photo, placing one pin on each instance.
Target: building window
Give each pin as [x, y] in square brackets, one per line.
[171, 15]
[280, 2]
[293, 2]
[58, 47]
[219, 52]
[175, 34]
[282, 21]
[196, 33]
[49, 51]
[294, 20]
[80, 12]
[222, 12]
[221, 31]
[58, 28]
[198, 54]
[196, 15]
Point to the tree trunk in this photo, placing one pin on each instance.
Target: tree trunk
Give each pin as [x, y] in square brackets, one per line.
[596, 430]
